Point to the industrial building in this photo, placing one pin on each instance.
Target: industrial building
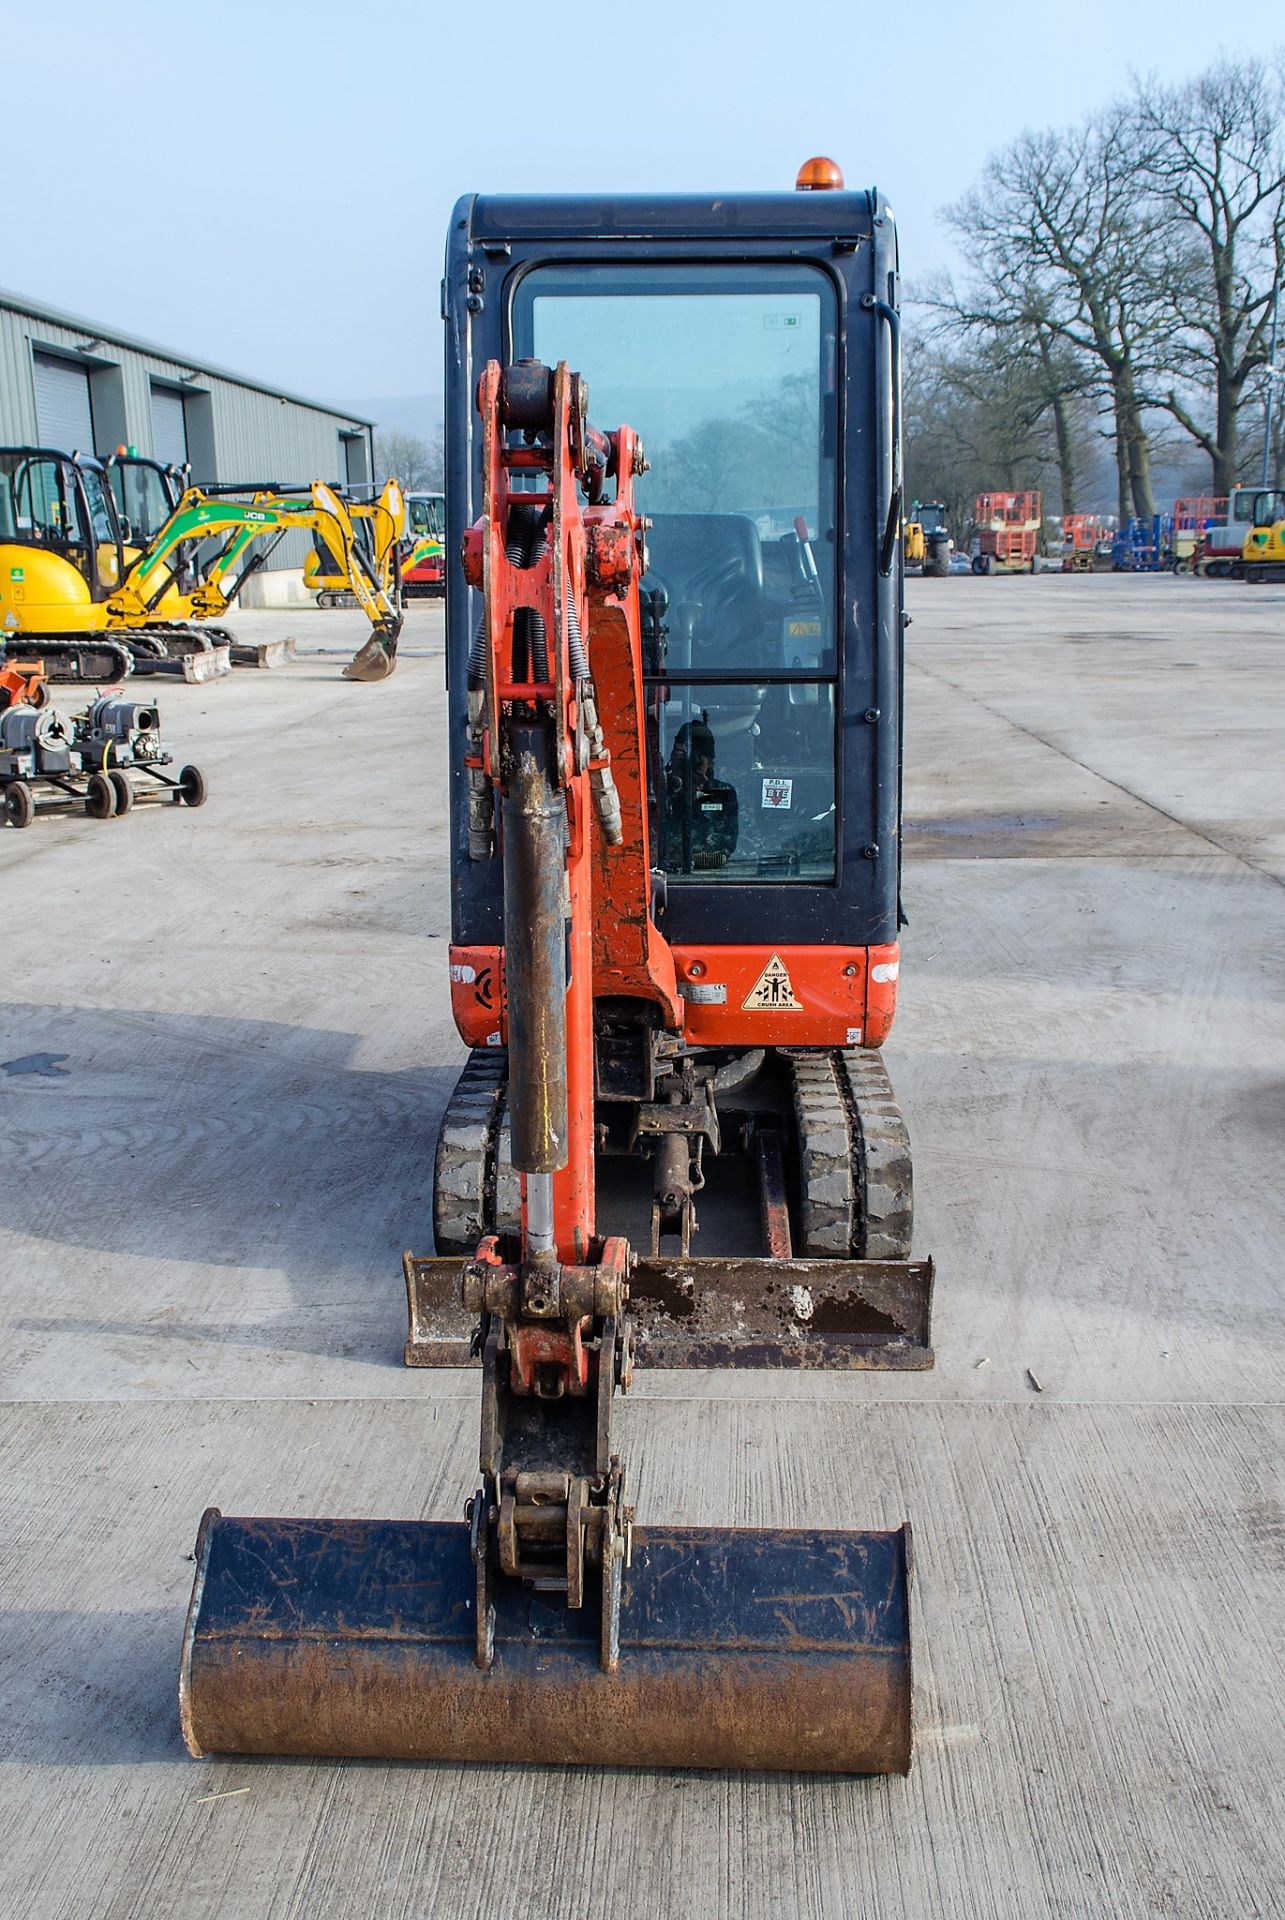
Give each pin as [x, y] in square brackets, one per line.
[73, 384]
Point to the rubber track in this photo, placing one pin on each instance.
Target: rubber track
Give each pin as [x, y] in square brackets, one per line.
[463, 1169]
[855, 1182]
[475, 1186]
[886, 1193]
[91, 661]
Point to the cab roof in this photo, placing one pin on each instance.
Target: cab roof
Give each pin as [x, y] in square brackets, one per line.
[639, 216]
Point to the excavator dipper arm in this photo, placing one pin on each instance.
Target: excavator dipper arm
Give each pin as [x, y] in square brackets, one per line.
[550, 1510]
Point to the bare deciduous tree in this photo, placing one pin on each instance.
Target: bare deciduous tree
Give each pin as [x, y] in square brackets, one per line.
[974, 419]
[1133, 258]
[1059, 220]
[419, 464]
[1008, 321]
[1214, 165]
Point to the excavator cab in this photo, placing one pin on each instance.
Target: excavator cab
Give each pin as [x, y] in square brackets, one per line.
[146, 493]
[425, 515]
[423, 558]
[754, 354]
[58, 505]
[674, 655]
[1263, 555]
[926, 538]
[62, 557]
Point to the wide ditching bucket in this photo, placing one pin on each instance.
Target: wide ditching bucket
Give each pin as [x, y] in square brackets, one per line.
[749, 1648]
[742, 1648]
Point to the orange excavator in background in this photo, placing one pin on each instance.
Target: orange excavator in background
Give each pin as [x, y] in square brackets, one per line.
[676, 740]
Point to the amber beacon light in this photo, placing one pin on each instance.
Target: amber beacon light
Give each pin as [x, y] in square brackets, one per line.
[819, 175]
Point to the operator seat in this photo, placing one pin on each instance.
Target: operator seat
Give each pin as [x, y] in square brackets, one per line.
[712, 564]
[710, 567]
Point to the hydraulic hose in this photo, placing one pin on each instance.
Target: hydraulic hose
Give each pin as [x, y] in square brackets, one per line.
[525, 546]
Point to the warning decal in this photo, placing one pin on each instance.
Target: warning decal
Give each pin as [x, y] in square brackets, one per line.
[777, 792]
[772, 991]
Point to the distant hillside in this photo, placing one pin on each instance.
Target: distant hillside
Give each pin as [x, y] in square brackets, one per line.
[417, 413]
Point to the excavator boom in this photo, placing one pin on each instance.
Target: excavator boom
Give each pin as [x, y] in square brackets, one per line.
[243, 523]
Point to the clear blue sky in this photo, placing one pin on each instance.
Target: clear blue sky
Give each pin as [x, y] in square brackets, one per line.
[268, 186]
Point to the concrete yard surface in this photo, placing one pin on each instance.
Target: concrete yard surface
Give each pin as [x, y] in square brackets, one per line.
[224, 1047]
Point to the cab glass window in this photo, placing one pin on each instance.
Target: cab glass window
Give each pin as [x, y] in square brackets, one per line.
[728, 373]
[424, 515]
[38, 506]
[141, 498]
[101, 516]
[746, 783]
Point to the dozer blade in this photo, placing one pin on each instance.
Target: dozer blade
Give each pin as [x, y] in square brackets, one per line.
[755, 1648]
[264, 653]
[212, 665]
[194, 668]
[829, 1315]
[182, 653]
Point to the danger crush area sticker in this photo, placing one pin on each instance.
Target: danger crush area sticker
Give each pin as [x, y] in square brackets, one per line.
[773, 991]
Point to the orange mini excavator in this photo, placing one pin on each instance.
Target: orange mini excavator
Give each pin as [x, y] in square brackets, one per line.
[675, 708]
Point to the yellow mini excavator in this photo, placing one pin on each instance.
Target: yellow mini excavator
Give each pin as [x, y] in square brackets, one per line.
[1263, 554]
[78, 594]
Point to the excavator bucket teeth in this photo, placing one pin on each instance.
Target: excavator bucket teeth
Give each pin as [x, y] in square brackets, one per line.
[829, 1315]
[751, 1649]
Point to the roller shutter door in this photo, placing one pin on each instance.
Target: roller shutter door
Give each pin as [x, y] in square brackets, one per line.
[169, 427]
[63, 413]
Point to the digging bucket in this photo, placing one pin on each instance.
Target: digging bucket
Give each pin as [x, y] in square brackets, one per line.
[740, 1648]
